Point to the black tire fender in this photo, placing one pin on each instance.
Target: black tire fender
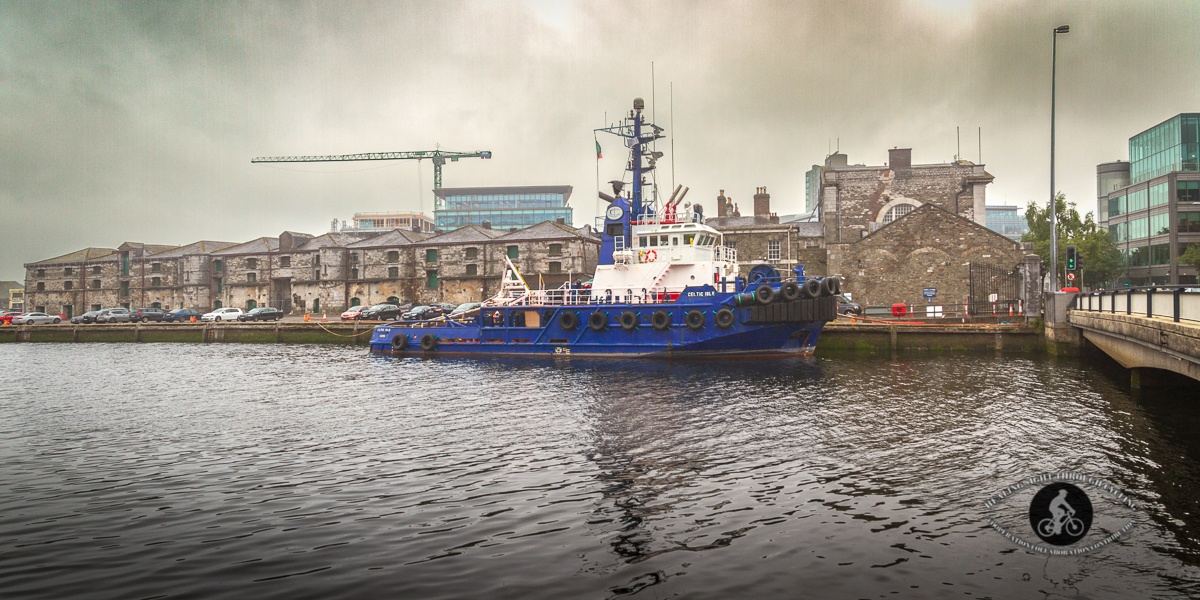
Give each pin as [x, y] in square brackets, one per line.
[811, 288]
[695, 319]
[661, 320]
[598, 321]
[629, 320]
[831, 286]
[724, 318]
[764, 294]
[428, 342]
[399, 342]
[568, 320]
[790, 291]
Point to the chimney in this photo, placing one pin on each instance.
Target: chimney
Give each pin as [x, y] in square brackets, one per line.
[762, 203]
[561, 220]
[487, 224]
[900, 158]
[736, 212]
[721, 208]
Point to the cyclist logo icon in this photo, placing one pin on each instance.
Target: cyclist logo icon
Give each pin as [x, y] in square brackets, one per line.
[1060, 514]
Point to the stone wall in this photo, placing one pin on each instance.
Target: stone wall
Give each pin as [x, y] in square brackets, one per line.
[929, 248]
[854, 197]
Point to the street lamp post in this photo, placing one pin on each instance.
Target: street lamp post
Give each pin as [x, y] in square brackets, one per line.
[1053, 207]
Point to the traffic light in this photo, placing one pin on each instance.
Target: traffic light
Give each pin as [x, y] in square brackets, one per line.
[1072, 258]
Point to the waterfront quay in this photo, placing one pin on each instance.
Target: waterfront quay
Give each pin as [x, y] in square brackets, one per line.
[836, 336]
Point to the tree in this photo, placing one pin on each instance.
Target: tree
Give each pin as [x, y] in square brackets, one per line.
[1099, 255]
[1191, 256]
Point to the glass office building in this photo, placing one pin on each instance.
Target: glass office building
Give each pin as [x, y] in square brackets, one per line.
[1151, 204]
[1006, 221]
[502, 207]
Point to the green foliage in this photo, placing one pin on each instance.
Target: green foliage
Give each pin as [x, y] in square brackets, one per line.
[1191, 256]
[1098, 253]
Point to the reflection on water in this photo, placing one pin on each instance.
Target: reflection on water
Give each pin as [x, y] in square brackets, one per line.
[305, 471]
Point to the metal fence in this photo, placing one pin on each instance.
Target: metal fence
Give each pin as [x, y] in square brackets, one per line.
[1175, 302]
[993, 290]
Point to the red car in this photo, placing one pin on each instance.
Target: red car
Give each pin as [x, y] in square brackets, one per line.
[351, 313]
[7, 316]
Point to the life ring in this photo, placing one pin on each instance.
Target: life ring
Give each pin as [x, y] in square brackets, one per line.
[724, 318]
[399, 342]
[790, 291]
[811, 288]
[661, 320]
[651, 256]
[764, 294]
[568, 320]
[598, 321]
[629, 320]
[694, 319]
[830, 286]
[428, 342]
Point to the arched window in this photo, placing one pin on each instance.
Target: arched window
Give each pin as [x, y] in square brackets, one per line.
[251, 305]
[897, 211]
[216, 305]
[393, 300]
[355, 302]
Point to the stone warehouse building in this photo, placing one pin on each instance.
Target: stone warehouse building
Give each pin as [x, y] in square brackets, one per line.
[298, 272]
[890, 232]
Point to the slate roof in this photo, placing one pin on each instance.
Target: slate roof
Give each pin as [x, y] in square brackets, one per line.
[465, 235]
[258, 246]
[201, 247]
[930, 207]
[804, 228]
[326, 240]
[78, 256]
[395, 237]
[546, 230]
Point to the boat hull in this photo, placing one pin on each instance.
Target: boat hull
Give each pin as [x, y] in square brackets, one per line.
[781, 330]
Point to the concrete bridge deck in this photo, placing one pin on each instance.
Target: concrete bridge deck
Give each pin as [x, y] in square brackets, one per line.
[1157, 327]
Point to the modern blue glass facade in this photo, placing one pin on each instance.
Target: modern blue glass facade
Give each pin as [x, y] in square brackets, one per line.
[1007, 222]
[1151, 205]
[503, 207]
[1173, 145]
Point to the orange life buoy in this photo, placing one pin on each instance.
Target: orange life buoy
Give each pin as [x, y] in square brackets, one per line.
[651, 256]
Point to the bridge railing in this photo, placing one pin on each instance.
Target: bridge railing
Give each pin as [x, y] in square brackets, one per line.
[1175, 302]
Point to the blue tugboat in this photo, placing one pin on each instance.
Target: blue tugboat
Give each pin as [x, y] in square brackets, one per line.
[666, 285]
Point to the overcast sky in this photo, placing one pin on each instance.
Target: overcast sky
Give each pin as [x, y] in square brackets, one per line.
[136, 121]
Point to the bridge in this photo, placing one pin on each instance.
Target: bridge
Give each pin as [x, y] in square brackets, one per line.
[1155, 327]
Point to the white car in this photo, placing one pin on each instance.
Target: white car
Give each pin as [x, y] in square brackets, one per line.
[222, 314]
[35, 317]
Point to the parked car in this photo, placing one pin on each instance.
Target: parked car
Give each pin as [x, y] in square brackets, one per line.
[383, 312]
[464, 308]
[422, 313]
[8, 315]
[87, 317]
[147, 314]
[183, 315]
[222, 314]
[35, 318]
[262, 313]
[113, 315]
[353, 313]
[848, 307]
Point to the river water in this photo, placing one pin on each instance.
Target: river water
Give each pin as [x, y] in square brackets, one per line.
[277, 471]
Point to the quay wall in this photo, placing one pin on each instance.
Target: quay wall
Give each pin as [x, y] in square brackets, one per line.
[836, 337]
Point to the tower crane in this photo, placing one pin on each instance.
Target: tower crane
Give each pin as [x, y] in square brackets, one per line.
[439, 157]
